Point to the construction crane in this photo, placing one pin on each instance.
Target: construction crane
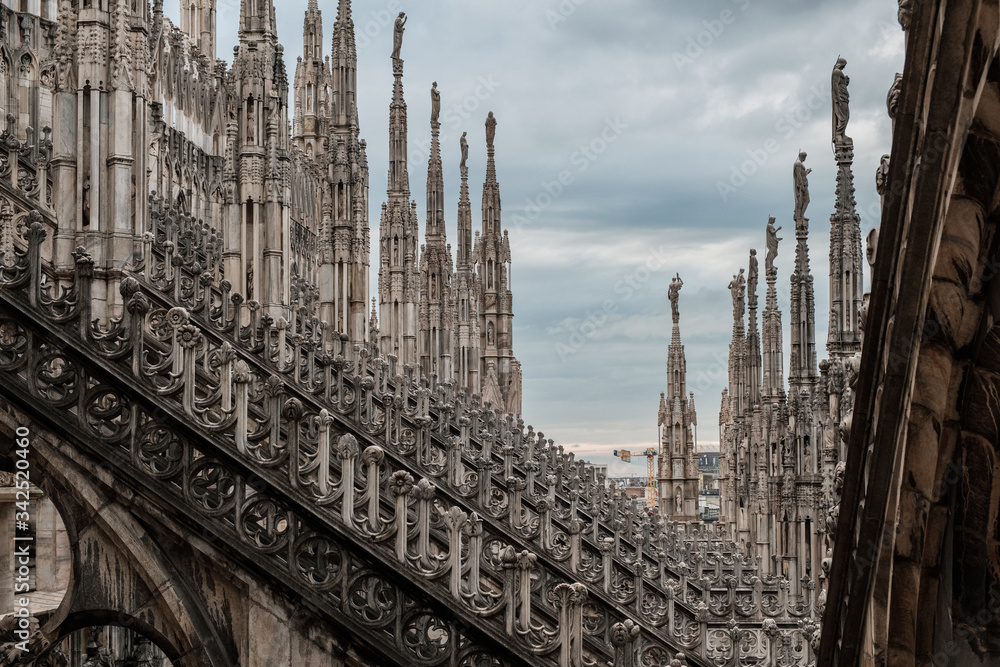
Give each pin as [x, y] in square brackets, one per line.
[650, 454]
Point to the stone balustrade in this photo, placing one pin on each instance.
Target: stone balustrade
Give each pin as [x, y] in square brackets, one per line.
[322, 461]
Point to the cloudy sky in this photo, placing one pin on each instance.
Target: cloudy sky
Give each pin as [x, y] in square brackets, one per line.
[673, 124]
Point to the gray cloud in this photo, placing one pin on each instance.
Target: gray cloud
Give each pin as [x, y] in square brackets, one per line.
[693, 114]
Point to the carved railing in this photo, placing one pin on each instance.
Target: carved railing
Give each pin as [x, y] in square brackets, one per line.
[24, 170]
[149, 398]
[555, 565]
[495, 468]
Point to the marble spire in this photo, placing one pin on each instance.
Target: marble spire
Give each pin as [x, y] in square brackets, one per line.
[753, 336]
[398, 266]
[738, 347]
[466, 295]
[493, 262]
[678, 471]
[802, 368]
[846, 254]
[772, 380]
[437, 319]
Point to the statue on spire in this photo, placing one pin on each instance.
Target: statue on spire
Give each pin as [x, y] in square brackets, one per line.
[673, 294]
[397, 36]
[435, 104]
[737, 288]
[801, 176]
[752, 274]
[841, 100]
[491, 129]
[465, 149]
[772, 245]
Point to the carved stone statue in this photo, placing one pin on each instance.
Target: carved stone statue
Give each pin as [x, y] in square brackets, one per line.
[892, 98]
[905, 14]
[752, 274]
[673, 294]
[86, 201]
[491, 129]
[801, 177]
[678, 502]
[737, 287]
[250, 122]
[514, 389]
[882, 175]
[397, 35]
[465, 149]
[841, 101]
[97, 655]
[741, 294]
[435, 104]
[872, 246]
[772, 245]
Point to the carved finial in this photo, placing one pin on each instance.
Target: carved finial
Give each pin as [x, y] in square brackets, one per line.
[121, 57]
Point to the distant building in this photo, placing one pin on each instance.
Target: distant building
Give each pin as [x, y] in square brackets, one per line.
[634, 487]
[708, 473]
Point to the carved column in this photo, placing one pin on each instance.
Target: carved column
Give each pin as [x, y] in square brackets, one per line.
[569, 600]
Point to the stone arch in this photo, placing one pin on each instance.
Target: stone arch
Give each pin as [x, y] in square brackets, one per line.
[120, 574]
[103, 618]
